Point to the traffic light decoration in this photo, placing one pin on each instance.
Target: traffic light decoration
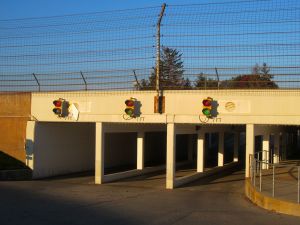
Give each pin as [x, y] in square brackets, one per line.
[130, 107]
[61, 107]
[207, 107]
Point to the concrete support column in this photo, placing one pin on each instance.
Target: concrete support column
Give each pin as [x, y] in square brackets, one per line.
[266, 150]
[200, 151]
[29, 144]
[99, 153]
[249, 146]
[236, 147]
[276, 148]
[140, 150]
[171, 155]
[221, 149]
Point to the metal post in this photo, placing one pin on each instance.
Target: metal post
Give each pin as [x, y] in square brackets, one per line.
[273, 192]
[84, 80]
[217, 77]
[251, 168]
[298, 184]
[260, 180]
[37, 81]
[254, 171]
[158, 47]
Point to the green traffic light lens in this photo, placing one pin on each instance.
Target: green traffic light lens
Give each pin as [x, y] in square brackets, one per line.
[129, 112]
[206, 112]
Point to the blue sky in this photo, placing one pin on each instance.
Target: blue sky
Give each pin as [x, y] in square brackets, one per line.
[11, 9]
[107, 47]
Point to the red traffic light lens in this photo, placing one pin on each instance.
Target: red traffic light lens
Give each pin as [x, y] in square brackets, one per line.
[206, 102]
[57, 103]
[129, 103]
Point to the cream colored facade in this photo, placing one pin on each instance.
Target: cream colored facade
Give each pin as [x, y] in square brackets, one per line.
[235, 106]
[254, 112]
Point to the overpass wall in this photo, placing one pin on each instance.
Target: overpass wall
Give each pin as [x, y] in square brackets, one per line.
[14, 114]
[234, 106]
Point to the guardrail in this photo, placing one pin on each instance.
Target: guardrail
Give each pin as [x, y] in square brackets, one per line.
[279, 180]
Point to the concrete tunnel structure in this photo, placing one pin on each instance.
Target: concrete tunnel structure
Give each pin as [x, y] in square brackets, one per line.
[102, 139]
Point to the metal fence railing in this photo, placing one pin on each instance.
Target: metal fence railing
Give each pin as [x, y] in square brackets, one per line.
[279, 180]
[240, 44]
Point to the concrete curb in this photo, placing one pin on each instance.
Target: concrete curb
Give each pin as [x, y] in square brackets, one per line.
[20, 174]
[270, 203]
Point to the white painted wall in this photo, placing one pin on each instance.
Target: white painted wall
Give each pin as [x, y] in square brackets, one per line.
[62, 148]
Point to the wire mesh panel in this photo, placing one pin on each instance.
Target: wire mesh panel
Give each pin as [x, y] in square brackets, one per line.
[74, 52]
[213, 45]
[236, 44]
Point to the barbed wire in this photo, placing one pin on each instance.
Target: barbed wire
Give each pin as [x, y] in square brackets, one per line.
[219, 42]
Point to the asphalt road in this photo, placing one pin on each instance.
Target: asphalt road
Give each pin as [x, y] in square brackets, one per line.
[212, 201]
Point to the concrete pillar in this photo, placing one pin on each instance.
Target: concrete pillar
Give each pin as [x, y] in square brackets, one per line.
[171, 155]
[29, 144]
[140, 150]
[266, 150]
[190, 148]
[249, 147]
[276, 148]
[221, 149]
[200, 151]
[236, 147]
[99, 153]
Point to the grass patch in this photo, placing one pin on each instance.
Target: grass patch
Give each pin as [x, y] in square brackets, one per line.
[9, 163]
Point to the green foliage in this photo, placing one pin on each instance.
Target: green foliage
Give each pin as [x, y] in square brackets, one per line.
[259, 78]
[202, 82]
[171, 76]
[170, 70]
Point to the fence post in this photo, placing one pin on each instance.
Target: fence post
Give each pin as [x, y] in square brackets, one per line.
[85, 84]
[260, 180]
[158, 48]
[37, 81]
[254, 171]
[298, 184]
[273, 192]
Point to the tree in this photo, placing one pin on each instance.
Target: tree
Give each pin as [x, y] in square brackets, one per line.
[171, 72]
[202, 82]
[259, 78]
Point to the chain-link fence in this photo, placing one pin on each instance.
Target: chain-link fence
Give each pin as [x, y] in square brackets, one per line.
[247, 44]
[279, 180]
